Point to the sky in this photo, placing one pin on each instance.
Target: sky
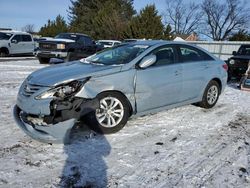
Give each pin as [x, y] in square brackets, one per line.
[16, 14]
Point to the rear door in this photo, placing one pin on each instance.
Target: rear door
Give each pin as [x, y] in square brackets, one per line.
[27, 44]
[160, 84]
[197, 67]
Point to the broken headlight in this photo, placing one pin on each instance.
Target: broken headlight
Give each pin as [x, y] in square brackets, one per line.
[62, 91]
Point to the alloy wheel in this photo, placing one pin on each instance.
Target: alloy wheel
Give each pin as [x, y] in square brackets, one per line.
[110, 113]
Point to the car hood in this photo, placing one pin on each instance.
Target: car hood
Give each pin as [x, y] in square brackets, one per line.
[245, 57]
[62, 73]
[57, 41]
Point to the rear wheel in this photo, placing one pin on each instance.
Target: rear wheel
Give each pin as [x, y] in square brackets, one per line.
[112, 115]
[211, 95]
[44, 60]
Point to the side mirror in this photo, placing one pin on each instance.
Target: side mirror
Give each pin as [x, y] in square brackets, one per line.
[14, 41]
[234, 53]
[147, 61]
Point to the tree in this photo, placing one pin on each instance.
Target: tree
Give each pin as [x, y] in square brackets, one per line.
[112, 24]
[148, 24]
[241, 35]
[224, 18]
[184, 18]
[54, 27]
[168, 33]
[29, 28]
[100, 18]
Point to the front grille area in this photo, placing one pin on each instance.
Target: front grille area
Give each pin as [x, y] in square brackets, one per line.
[29, 89]
[47, 46]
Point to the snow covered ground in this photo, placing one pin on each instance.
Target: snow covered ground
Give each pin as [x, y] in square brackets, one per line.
[183, 147]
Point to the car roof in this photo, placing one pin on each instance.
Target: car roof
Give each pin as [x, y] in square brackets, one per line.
[158, 42]
[74, 34]
[13, 32]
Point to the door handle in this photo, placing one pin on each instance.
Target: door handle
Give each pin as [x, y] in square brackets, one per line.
[177, 73]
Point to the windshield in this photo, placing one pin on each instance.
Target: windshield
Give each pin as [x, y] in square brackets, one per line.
[5, 36]
[244, 50]
[66, 36]
[117, 55]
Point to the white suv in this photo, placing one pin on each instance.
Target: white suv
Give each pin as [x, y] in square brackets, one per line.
[15, 42]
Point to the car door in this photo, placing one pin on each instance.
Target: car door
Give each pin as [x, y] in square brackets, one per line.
[160, 84]
[15, 44]
[197, 66]
[27, 44]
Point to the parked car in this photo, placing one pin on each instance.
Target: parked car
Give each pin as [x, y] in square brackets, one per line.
[66, 46]
[109, 43]
[15, 43]
[131, 79]
[238, 64]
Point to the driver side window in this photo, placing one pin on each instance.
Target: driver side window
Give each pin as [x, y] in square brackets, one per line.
[165, 55]
[18, 38]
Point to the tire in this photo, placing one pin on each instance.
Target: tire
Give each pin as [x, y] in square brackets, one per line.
[4, 52]
[44, 60]
[69, 57]
[211, 95]
[101, 120]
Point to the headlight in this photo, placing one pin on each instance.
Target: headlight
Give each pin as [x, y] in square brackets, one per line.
[231, 62]
[62, 91]
[60, 46]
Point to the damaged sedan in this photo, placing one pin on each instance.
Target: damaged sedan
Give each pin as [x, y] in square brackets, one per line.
[108, 88]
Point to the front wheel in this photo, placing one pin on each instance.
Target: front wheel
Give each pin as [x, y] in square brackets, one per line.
[211, 95]
[112, 115]
[44, 60]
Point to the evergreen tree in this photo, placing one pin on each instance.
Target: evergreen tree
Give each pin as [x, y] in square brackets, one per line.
[101, 18]
[148, 24]
[168, 33]
[52, 28]
[241, 35]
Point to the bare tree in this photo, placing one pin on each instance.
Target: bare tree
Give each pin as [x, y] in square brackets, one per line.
[222, 18]
[29, 28]
[184, 18]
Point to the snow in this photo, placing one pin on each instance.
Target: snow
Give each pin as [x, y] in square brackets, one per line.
[182, 147]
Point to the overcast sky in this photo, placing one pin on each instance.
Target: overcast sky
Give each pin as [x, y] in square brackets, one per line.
[17, 13]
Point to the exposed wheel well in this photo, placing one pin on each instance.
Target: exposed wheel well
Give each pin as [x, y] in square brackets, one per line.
[4, 49]
[71, 50]
[125, 97]
[219, 82]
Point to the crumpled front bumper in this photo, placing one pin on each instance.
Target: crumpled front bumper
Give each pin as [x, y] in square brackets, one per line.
[57, 133]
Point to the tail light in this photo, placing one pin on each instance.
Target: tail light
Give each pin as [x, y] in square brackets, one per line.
[225, 66]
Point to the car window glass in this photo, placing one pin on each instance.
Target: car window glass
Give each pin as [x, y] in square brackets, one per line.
[164, 55]
[88, 41]
[18, 38]
[26, 38]
[81, 40]
[190, 54]
[244, 50]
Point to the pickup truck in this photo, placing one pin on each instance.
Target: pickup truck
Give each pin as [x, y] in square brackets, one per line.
[66, 46]
[16, 43]
[238, 63]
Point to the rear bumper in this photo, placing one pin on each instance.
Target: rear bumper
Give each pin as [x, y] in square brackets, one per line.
[58, 133]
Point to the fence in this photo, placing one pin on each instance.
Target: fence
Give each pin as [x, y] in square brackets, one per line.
[221, 49]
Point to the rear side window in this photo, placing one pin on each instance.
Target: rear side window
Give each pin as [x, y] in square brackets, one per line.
[191, 54]
[26, 38]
